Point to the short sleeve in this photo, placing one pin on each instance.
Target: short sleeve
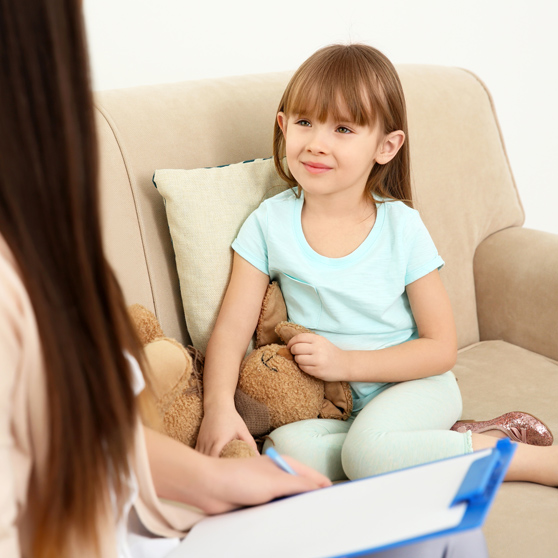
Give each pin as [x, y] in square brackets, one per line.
[251, 242]
[423, 255]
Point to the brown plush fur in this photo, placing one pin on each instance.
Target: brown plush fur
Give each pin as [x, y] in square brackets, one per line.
[273, 311]
[175, 381]
[147, 328]
[270, 378]
[338, 400]
[272, 389]
[270, 375]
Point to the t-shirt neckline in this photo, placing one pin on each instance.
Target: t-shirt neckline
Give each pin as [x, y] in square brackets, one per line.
[343, 261]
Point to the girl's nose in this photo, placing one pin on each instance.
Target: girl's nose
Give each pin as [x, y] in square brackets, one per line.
[317, 143]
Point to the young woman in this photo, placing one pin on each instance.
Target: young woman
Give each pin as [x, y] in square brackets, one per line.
[73, 455]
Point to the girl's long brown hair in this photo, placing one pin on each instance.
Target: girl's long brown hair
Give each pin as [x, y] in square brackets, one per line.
[49, 215]
[360, 79]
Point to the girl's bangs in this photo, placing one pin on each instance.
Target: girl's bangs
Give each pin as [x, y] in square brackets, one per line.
[344, 98]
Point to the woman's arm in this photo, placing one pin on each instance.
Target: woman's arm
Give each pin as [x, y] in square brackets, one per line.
[227, 346]
[434, 352]
[217, 485]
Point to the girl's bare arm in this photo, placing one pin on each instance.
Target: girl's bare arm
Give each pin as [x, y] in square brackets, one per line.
[227, 346]
[434, 352]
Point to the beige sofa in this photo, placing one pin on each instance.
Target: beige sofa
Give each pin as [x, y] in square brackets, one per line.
[502, 279]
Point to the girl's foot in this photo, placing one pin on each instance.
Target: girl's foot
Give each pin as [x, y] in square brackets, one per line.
[517, 426]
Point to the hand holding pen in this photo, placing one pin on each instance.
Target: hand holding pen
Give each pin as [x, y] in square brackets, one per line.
[279, 461]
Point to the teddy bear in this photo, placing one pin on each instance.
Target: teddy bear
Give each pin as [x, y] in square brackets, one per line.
[270, 375]
[272, 390]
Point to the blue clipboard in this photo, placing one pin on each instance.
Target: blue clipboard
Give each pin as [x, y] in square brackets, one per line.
[360, 517]
[478, 490]
[481, 483]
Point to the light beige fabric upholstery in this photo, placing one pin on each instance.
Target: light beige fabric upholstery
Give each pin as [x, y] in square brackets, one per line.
[179, 126]
[516, 275]
[463, 186]
[496, 377]
[502, 279]
[205, 209]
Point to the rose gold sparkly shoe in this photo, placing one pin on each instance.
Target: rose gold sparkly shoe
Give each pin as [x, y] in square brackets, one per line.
[517, 426]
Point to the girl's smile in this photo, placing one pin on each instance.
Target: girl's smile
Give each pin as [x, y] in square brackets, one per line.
[315, 168]
[327, 158]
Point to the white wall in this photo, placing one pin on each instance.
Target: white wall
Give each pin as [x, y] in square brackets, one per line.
[512, 45]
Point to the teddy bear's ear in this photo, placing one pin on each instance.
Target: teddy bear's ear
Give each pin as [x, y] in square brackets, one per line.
[145, 323]
[287, 330]
[273, 311]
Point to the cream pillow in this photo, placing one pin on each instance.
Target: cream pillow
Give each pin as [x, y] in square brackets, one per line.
[205, 210]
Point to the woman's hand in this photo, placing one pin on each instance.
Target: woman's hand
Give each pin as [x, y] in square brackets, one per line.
[219, 485]
[219, 427]
[318, 357]
[255, 480]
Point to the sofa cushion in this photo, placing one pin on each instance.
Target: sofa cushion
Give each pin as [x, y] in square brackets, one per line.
[205, 210]
[496, 377]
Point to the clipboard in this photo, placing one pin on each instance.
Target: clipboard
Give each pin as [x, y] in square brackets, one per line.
[359, 517]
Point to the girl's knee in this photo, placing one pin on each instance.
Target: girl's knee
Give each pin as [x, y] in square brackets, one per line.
[284, 440]
[307, 431]
[314, 443]
[365, 459]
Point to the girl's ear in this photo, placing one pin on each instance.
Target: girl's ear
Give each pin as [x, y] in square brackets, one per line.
[282, 121]
[390, 146]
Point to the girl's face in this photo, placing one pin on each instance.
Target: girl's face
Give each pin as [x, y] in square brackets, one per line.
[334, 156]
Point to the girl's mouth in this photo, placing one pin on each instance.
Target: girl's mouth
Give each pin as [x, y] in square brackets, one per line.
[316, 168]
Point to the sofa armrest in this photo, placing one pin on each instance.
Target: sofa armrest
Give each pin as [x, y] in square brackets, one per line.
[516, 282]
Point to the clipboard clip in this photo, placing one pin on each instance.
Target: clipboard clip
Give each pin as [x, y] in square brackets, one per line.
[485, 475]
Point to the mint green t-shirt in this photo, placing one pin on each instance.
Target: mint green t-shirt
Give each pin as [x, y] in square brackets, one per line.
[358, 301]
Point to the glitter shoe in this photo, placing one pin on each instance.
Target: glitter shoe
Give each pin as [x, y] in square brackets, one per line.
[517, 426]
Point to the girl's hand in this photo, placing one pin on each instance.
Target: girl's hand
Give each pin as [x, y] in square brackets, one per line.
[219, 427]
[318, 357]
[255, 480]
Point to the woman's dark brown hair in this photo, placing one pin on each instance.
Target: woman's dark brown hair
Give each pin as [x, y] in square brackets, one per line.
[360, 79]
[49, 215]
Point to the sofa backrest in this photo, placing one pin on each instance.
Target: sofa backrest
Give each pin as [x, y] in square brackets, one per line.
[462, 182]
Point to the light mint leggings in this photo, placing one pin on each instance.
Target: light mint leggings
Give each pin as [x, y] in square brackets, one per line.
[407, 424]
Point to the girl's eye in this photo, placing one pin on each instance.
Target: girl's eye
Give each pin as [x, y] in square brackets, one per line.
[344, 130]
[303, 122]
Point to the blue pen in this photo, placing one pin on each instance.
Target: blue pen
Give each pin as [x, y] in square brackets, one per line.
[279, 461]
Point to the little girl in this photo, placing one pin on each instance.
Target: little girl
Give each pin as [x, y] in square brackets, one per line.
[357, 266]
